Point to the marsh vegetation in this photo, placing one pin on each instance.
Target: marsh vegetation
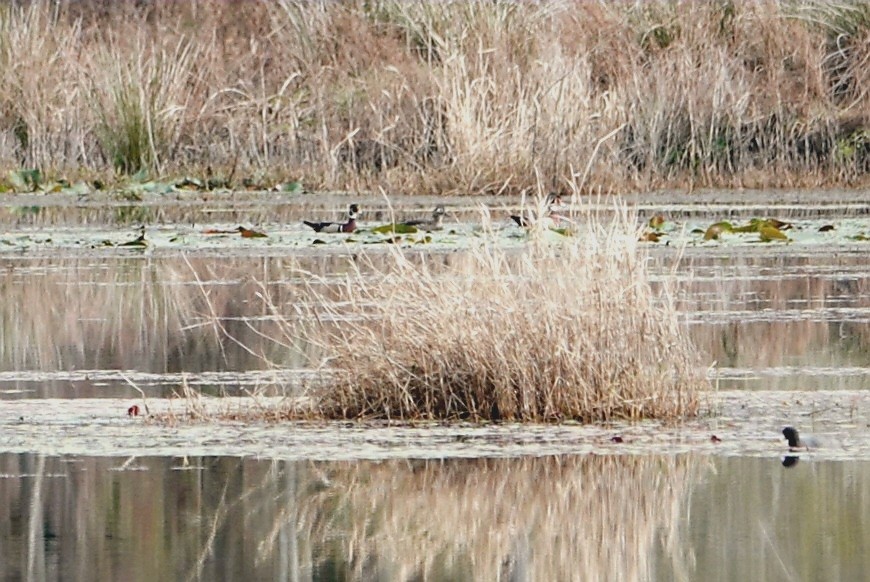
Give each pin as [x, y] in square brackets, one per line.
[444, 97]
[554, 332]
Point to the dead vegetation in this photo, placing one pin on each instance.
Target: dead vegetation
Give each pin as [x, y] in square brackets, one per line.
[440, 97]
[559, 331]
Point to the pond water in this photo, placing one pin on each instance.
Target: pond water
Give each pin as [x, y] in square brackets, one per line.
[86, 321]
[587, 517]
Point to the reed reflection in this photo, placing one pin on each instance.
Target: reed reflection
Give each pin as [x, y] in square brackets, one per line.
[587, 517]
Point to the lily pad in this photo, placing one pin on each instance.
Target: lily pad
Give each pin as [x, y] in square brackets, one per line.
[716, 230]
[769, 233]
[139, 241]
[249, 233]
[756, 224]
[154, 187]
[651, 237]
[657, 222]
[395, 229]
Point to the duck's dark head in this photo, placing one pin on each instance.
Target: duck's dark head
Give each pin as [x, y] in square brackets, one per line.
[791, 435]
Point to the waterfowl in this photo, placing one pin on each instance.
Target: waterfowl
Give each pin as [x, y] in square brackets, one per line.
[796, 443]
[429, 224]
[552, 203]
[348, 226]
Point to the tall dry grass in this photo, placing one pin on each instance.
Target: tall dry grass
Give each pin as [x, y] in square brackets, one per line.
[555, 332]
[432, 97]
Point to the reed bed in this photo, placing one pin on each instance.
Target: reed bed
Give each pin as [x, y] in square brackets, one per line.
[555, 332]
[440, 97]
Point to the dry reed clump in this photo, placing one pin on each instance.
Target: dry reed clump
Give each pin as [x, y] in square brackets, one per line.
[567, 331]
[432, 97]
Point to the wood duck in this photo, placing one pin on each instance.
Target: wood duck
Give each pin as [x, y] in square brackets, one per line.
[429, 224]
[552, 203]
[348, 226]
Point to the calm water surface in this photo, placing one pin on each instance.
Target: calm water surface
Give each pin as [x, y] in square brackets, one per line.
[555, 518]
[75, 326]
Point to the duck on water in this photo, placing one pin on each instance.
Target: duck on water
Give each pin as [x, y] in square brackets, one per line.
[329, 227]
[435, 222]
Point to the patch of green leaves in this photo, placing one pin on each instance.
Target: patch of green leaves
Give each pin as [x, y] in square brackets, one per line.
[395, 229]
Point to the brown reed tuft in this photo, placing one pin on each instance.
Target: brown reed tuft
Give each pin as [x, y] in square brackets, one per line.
[569, 330]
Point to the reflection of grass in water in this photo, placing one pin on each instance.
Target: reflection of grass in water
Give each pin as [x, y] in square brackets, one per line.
[551, 518]
[781, 284]
[132, 314]
[567, 331]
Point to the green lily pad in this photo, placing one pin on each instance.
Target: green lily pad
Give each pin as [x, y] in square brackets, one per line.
[395, 229]
[769, 233]
[756, 224]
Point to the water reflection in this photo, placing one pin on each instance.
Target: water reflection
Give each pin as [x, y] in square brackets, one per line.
[553, 518]
[220, 518]
[756, 520]
[169, 315]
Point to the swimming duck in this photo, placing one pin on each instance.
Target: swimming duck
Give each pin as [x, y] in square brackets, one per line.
[429, 224]
[552, 203]
[348, 226]
[796, 443]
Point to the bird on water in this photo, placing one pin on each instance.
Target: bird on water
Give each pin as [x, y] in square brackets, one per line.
[796, 443]
[347, 226]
